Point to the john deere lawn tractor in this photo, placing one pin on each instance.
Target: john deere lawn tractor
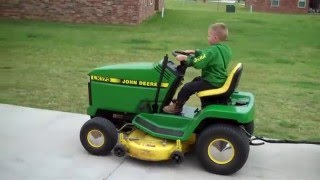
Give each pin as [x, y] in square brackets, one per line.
[125, 105]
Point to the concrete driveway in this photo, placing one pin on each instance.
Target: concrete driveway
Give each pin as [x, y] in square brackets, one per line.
[43, 144]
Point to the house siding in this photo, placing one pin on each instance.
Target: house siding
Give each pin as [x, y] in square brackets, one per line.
[285, 6]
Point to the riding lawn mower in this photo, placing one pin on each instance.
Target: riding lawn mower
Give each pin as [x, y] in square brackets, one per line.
[125, 106]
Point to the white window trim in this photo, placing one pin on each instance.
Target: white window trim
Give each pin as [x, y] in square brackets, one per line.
[305, 3]
[274, 5]
[151, 2]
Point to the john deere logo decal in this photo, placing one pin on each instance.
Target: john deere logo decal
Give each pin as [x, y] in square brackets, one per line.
[127, 81]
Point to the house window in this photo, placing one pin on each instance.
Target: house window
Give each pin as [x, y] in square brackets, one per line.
[150, 2]
[275, 3]
[301, 3]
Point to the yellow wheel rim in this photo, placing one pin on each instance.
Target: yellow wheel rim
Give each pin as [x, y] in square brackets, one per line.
[221, 151]
[95, 138]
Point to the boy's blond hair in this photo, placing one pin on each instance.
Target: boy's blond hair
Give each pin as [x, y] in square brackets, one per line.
[221, 30]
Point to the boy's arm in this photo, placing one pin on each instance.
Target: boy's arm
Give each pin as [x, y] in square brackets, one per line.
[200, 60]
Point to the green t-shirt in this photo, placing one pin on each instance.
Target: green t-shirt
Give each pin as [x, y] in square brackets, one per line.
[214, 62]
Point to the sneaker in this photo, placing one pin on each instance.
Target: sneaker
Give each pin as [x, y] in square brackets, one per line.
[173, 108]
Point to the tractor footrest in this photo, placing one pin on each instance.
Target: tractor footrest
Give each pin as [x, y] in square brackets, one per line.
[156, 129]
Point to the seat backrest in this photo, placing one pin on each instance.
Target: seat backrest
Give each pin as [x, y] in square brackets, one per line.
[233, 80]
[229, 86]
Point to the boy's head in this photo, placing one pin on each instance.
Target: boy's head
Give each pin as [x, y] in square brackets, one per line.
[217, 32]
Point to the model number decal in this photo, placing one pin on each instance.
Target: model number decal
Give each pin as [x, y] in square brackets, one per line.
[127, 81]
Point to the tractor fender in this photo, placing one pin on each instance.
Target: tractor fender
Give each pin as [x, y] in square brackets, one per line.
[220, 114]
[240, 114]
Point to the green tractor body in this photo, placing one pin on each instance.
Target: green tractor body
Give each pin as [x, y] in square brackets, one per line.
[131, 89]
[134, 94]
[127, 88]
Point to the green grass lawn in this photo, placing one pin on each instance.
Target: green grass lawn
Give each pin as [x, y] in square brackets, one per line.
[45, 64]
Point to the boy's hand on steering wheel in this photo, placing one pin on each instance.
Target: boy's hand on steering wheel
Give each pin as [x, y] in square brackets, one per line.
[181, 57]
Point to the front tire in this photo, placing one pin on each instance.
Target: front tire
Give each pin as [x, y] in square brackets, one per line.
[222, 148]
[98, 136]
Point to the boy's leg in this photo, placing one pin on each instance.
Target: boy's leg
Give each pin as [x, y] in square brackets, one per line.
[191, 88]
[198, 84]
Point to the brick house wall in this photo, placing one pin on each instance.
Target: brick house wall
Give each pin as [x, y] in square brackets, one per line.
[82, 11]
[159, 4]
[146, 9]
[285, 6]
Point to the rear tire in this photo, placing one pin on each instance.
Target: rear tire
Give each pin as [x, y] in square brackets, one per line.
[98, 136]
[222, 148]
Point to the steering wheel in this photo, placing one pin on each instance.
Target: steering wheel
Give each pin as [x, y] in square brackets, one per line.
[183, 65]
[177, 52]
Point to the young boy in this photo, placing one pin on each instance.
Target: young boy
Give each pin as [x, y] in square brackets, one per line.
[213, 61]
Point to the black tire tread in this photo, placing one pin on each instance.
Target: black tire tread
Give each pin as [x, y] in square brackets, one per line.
[107, 128]
[232, 133]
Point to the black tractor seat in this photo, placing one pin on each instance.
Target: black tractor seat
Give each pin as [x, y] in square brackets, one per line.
[222, 94]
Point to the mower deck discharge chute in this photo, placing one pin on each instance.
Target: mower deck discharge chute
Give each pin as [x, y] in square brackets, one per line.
[125, 104]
